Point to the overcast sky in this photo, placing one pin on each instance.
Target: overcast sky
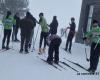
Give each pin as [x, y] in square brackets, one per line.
[63, 9]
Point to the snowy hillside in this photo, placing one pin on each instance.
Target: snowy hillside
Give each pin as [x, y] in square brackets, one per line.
[16, 66]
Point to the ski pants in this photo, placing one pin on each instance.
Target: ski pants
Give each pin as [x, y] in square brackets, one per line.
[31, 37]
[25, 38]
[94, 56]
[69, 41]
[13, 33]
[43, 36]
[7, 34]
[54, 48]
[16, 32]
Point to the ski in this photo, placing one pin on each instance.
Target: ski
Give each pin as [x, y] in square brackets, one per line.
[64, 63]
[50, 64]
[3, 50]
[76, 64]
[61, 66]
[65, 50]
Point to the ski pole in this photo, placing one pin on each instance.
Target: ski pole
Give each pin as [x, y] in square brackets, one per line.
[34, 41]
[86, 55]
[96, 44]
[85, 48]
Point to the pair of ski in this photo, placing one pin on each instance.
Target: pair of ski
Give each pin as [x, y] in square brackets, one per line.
[40, 53]
[77, 64]
[56, 66]
[66, 50]
[3, 50]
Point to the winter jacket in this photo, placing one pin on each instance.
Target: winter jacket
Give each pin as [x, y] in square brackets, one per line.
[72, 28]
[43, 23]
[8, 23]
[53, 27]
[17, 21]
[33, 20]
[26, 25]
[94, 34]
[51, 38]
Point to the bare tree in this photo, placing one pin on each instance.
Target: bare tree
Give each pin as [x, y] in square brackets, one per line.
[14, 6]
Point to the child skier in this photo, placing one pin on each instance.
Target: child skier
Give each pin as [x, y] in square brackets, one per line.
[53, 42]
[94, 36]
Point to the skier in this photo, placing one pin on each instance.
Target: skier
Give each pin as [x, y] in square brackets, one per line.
[70, 35]
[53, 26]
[17, 26]
[44, 32]
[94, 36]
[8, 23]
[26, 26]
[32, 32]
[53, 42]
[14, 27]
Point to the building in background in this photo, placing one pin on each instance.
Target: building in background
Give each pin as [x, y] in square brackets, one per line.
[90, 10]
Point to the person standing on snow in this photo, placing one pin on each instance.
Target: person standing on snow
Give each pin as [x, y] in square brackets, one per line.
[17, 26]
[32, 32]
[13, 33]
[8, 23]
[26, 26]
[44, 32]
[70, 35]
[53, 26]
[94, 36]
[53, 42]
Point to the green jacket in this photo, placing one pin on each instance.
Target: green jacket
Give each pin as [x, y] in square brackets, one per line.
[43, 24]
[9, 22]
[94, 34]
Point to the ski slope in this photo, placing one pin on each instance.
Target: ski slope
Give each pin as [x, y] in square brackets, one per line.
[16, 66]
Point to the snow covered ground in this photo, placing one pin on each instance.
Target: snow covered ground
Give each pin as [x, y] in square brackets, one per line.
[16, 66]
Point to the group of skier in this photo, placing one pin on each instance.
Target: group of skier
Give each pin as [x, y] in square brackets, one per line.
[27, 25]
[49, 35]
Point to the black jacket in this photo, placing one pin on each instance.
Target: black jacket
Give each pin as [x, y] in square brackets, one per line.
[33, 20]
[17, 21]
[72, 27]
[26, 25]
[53, 27]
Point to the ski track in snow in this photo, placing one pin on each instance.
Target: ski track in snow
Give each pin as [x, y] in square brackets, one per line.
[16, 66]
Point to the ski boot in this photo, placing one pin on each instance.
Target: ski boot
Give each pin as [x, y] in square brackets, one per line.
[3, 47]
[43, 50]
[7, 48]
[26, 52]
[21, 51]
[40, 51]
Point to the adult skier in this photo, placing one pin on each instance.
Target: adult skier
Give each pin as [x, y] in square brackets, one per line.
[32, 32]
[14, 27]
[8, 22]
[53, 26]
[70, 35]
[17, 26]
[94, 36]
[44, 32]
[53, 42]
[26, 25]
